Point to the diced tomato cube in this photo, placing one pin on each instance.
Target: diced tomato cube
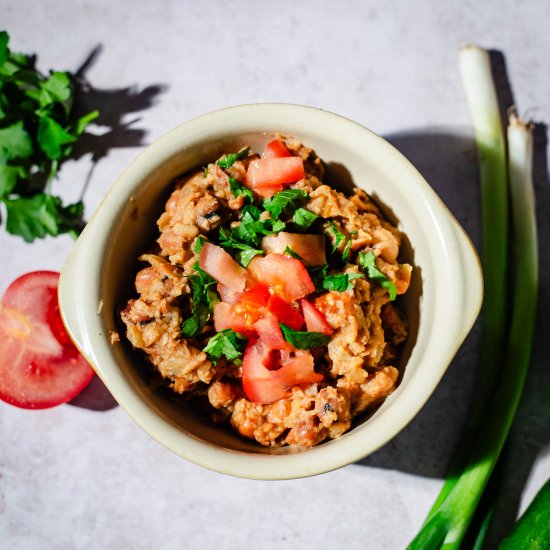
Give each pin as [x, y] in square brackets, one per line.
[276, 149]
[283, 275]
[285, 313]
[274, 171]
[315, 320]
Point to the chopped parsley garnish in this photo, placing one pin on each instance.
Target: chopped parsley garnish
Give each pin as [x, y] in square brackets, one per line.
[338, 236]
[245, 240]
[197, 247]
[238, 189]
[203, 298]
[340, 282]
[317, 275]
[228, 344]
[368, 261]
[37, 133]
[293, 254]
[284, 201]
[302, 219]
[242, 251]
[227, 161]
[304, 340]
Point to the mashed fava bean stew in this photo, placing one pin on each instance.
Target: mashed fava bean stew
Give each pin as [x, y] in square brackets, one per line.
[270, 297]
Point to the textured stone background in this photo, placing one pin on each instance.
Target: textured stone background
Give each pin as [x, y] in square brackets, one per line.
[76, 477]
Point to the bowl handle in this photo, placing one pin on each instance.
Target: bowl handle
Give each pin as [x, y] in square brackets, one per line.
[473, 279]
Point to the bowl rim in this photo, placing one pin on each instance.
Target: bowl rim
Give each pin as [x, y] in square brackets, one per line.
[83, 270]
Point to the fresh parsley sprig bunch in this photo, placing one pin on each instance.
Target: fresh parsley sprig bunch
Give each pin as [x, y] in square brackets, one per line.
[37, 132]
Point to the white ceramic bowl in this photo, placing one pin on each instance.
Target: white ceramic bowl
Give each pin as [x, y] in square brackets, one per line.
[98, 278]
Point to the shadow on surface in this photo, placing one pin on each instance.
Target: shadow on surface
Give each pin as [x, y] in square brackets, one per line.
[446, 158]
[95, 397]
[112, 129]
[427, 445]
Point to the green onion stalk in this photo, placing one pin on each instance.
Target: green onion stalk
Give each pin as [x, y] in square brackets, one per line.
[453, 512]
[475, 67]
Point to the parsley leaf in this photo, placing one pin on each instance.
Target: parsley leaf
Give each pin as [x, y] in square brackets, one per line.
[303, 218]
[283, 199]
[340, 282]
[15, 142]
[317, 275]
[41, 215]
[245, 252]
[52, 137]
[238, 189]
[228, 344]
[203, 298]
[293, 254]
[304, 340]
[368, 261]
[228, 160]
[197, 247]
[37, 132]
[338, 236]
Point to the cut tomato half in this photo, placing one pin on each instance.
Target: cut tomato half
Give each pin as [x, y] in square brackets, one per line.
[39, 365]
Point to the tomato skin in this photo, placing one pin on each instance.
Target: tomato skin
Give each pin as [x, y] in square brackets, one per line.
[315, 320]
[267, 192]
[276, 149]
[39, 365]
[269, 332]
[311, 248]
[284, 275]
[271, 172]
[262, 384]
[285, 313]
[222, 267]
[227, 295]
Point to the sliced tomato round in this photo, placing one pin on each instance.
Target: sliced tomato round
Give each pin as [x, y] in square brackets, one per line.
[276, 149]
[315, 320]
[311, 248]
[39, 365]
[274, 171]
[220, 265]
[284, 275]
[262, 384]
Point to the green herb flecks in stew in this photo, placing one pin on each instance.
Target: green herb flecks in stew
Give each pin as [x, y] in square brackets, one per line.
[228, 344]
[368, 261]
